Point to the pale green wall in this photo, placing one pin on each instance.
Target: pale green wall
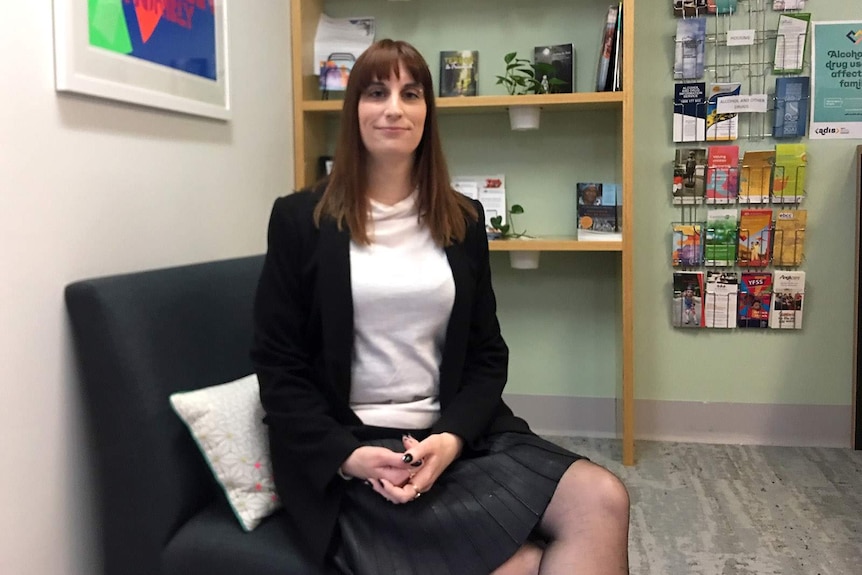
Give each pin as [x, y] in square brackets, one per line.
[562, 321]
[812, 366]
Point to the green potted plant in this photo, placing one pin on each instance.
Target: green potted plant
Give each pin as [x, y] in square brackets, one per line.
[524, 77]
[507, 231]
[518, 259]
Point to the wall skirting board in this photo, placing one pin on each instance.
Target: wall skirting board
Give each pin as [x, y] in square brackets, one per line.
[690, 421]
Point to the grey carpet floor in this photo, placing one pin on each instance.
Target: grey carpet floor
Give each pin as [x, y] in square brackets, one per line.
[738, 509]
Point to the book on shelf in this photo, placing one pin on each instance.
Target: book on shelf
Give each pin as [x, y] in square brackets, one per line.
[755, 233]
[598, 208]
[788, 4]
[721, 126]
[722, 174]
[338, 42]
[606, 49]
[689, 7]
[789, 243]
[561, 57]
[721, 6]
[489, 190]
[615, 78]
[791, 106]
[687, 302]
[788, 179]
[755, 176]
[687, 245]
[788, 295]
[755, 299]
[791, 39]
[719, 245]
[689, 176]
[689, 112]
[459, 73]
[689, 51]
[720, 301]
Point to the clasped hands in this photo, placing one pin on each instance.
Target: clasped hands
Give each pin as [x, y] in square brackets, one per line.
[403, 477]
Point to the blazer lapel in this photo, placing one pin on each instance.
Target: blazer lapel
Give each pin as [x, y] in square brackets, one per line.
[336, 304]
[454, 350]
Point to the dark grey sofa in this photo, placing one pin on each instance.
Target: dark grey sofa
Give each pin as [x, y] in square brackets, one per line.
[138, 338]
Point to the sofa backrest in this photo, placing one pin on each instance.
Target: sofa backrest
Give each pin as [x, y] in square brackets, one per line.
[138, 338]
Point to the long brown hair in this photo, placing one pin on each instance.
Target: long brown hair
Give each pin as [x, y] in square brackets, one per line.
[443, 210]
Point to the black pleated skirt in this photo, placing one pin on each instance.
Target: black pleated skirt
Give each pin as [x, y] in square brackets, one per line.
[475, 517]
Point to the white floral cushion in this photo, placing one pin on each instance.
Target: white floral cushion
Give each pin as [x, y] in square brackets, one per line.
[226, 421]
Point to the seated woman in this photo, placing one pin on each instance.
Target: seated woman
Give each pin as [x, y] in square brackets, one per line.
[382, 366]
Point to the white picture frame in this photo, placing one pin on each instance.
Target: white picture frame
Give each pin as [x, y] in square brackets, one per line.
[85, 69]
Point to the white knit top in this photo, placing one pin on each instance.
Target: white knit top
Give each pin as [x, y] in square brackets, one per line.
[403, 293]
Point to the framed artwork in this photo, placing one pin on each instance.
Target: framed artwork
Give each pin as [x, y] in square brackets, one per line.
[169, 54]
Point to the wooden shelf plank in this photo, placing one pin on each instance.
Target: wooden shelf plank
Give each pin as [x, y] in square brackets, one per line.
[550, 102]
[554, 244]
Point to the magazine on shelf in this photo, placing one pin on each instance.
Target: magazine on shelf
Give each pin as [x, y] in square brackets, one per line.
[721, 126]
[687, 245]
[689, 176]
[720, 302]
[788, 4]
[721, 6]
[788, 179]
[790, 42]
[792, 94]
[489, 190]
[459, 72]
[755, 299]
[606, 49]
[719, 246]
[689, 7]
[689, 112]
[597, 207]
[338, 42]
[615, 78]
[755, 233]
[755, 176]
[789, 243]
[687, 302]
[690, 45]
[562, 58]
[722, 174]
[788, 297]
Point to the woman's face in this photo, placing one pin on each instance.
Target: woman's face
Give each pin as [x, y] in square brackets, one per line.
[392, 116]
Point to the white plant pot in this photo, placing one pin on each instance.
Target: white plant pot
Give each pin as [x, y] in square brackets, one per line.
[524, 260]
[524, 117]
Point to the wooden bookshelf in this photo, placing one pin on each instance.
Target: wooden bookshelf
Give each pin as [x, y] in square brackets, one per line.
[554, 244]
[548, 102]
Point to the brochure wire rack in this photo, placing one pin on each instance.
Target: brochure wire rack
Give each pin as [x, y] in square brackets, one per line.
[729, 273]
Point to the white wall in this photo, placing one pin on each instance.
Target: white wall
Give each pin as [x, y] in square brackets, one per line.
[90, 187]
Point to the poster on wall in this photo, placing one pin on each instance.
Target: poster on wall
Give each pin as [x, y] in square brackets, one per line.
[169, 54]
[836, 110]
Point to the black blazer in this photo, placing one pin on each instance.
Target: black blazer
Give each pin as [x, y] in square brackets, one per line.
[302, 355]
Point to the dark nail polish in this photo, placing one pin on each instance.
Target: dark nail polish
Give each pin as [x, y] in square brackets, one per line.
[416, 463]
[407, 458]
[366, 482]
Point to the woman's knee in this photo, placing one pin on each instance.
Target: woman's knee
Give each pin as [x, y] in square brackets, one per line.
[611, 493]
[587, 488]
